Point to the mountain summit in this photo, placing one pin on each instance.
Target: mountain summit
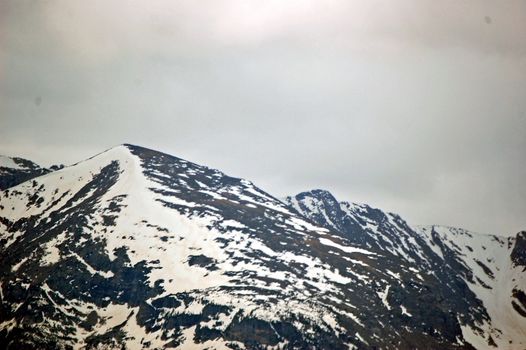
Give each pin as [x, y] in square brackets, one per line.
[134, 248]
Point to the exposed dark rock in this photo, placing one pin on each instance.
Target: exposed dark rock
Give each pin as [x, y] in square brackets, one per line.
[25, 170]
[518, 254]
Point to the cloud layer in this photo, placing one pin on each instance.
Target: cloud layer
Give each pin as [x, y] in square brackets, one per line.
[418, 107]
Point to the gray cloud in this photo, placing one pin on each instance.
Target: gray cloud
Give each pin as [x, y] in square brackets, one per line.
[418, 107]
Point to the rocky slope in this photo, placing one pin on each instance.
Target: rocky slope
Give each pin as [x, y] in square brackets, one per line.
[139, 249]
[14, 171]
[485, 271]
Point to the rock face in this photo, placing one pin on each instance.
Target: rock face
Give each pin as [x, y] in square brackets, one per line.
[518, 255]
[137, 249]
[14, 171]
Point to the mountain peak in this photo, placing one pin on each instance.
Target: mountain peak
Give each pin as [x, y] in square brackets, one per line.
[318, 205]
[126, 150]
[319, 194]
[312, 198]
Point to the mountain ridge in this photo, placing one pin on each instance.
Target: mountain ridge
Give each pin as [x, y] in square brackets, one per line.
[137, 248]
[15, 170]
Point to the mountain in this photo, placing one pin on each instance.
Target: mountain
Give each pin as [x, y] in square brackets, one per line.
[14, 170]
[484, 272]
[134, 248]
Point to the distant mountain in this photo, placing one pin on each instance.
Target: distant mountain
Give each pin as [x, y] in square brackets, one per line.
[14, 170]
[481, 275]
[134, 248]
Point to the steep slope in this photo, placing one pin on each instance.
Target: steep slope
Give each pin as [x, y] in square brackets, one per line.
[492, 273]
[14, 171]
[490, 267]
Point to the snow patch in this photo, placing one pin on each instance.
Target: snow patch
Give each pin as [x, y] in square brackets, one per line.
[346, 249]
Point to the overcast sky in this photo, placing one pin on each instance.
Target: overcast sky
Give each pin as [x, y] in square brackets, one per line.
[417, 107]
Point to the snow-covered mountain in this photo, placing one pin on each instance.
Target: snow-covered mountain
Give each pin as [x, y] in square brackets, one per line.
[492, 267]
[139, 249]
[14, 170]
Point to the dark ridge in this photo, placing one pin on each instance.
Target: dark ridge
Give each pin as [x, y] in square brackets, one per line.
[10, 177]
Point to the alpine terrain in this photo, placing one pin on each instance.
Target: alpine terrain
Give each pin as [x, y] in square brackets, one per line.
[17, 170]
[137, 249]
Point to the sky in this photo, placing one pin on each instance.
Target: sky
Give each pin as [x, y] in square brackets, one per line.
[417, 107]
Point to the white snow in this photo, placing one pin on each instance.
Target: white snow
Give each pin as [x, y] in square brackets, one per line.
[17, 265]
[258, 245]
[404, 311]
[354, 261]
[494, 252]
[8, 162]
[232, 224]
[395, 275]
[383, 297]
[360, 338]
[52, 253]
[346, 249]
